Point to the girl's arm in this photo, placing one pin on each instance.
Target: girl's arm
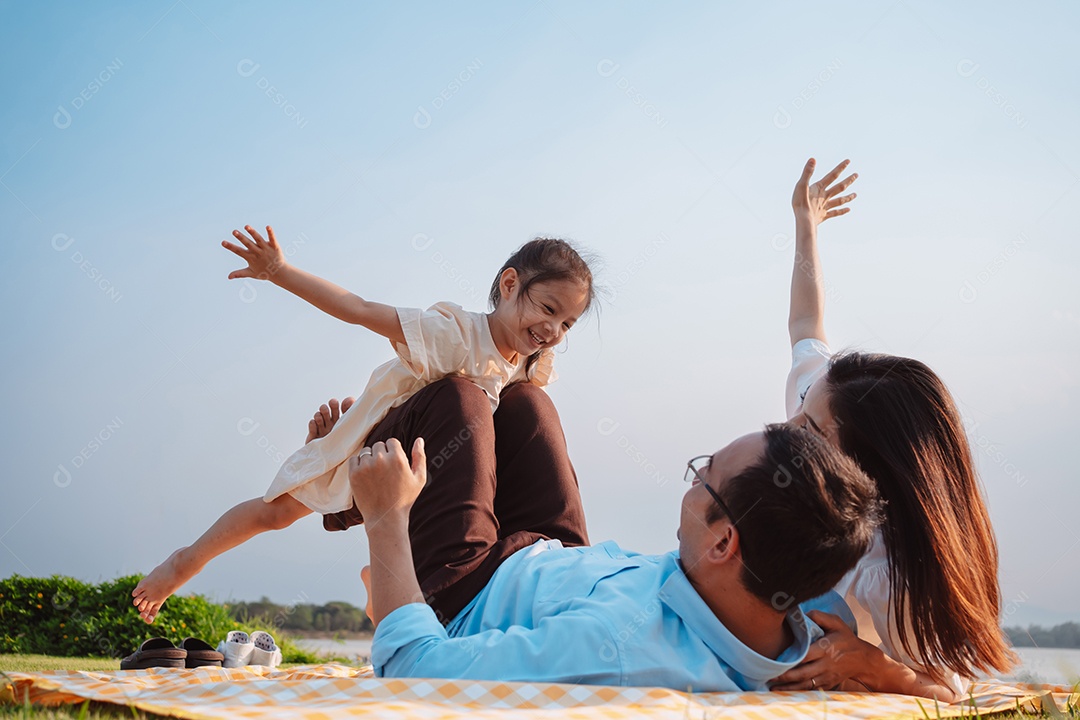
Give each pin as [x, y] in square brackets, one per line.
[840, 660]
[813, 205]
[266, 261]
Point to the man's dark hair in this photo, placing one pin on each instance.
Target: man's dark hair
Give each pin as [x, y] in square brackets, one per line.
[805, 514]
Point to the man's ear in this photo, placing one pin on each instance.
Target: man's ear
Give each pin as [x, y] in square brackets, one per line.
[508, 282]
[726, 547]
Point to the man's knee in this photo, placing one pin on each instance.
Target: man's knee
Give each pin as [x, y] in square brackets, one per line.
[458, 416]
[527, 401]
[458, 396]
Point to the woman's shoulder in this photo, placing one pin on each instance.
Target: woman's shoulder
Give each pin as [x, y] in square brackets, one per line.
[869, 582]
[809, 359]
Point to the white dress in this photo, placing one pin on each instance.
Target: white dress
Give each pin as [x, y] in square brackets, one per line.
[441, 341]
[866, 588]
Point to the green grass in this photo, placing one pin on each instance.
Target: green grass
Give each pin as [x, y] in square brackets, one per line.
[86, 711]
[40, 663]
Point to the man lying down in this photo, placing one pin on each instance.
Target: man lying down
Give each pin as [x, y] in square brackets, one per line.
[481, 566]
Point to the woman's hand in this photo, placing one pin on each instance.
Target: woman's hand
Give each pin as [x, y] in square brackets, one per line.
[833, 659]
[264, 257]
[818, 202]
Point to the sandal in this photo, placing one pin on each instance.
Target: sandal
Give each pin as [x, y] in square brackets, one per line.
[201, 653]
[155, 652]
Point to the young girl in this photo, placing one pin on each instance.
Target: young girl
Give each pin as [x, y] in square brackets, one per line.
[926, 594]
[538, 295]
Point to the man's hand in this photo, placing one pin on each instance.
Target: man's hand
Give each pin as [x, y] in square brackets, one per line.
[263, 257]
[383, 481]
[818, 202]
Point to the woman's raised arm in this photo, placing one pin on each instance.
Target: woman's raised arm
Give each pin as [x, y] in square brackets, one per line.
[813, 204]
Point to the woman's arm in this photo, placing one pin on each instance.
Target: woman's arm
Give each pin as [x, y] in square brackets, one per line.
[813, 204]
[840, 660]
[266, 261]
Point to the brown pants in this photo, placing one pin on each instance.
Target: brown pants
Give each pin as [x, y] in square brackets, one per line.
[495, 484]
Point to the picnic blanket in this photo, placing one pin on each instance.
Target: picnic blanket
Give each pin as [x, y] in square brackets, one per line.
[339, 691]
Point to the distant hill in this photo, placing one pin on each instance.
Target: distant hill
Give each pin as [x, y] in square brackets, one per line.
[331, 617]
[1066, 635]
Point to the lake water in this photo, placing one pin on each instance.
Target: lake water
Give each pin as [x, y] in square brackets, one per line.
[1038, 665]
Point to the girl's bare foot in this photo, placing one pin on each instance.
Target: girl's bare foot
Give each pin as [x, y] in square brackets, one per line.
[327, 416]
[154, 589]
[163, 581]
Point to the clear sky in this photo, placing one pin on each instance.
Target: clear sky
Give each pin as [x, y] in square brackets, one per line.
[405, 150]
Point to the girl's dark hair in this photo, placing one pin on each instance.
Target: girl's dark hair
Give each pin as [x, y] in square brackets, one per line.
[545, 260]
[900, 424]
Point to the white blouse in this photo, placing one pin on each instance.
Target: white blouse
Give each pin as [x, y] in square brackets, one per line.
[866, 588]
[441, 341]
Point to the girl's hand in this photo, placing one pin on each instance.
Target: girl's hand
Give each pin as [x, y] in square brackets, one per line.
[837, 657]
[263, 257]
[818, 202]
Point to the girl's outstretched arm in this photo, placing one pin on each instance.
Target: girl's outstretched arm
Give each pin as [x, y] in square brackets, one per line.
[266, 261]
[813, 204]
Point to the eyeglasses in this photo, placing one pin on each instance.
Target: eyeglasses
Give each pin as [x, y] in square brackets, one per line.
[694, 469]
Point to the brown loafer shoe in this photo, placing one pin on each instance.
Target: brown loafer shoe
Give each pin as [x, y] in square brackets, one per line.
[155, 652]
[201, 653]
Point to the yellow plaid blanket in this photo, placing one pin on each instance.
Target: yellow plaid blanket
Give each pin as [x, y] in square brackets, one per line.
[338, 691]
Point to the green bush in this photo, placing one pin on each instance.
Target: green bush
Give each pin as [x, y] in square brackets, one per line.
[64, 616]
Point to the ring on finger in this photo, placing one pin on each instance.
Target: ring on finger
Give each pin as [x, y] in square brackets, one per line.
[365, 451]
[813, 683]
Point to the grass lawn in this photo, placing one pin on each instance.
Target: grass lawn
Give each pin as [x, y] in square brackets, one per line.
[87, 711]
[101, 711]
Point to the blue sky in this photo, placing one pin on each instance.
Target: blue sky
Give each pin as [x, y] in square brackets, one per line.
[404, 151]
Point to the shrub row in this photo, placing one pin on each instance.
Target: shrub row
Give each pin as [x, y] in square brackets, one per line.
[63, 616]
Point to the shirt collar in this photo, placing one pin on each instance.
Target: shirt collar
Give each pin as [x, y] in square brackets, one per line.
[681, 597]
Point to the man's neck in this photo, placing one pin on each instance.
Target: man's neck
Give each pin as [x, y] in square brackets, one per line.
[758, 626]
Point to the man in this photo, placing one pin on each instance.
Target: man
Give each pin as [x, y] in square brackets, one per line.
[772, 520]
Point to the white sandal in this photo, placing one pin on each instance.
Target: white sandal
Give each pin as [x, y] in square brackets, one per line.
[237, 647]
[266, 651]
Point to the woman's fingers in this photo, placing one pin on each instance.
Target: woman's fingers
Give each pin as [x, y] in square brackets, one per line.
[802, 677]
[829, 622]
[837, 213]
[270, 234]
[842, 185]
[242, 273]
[335, 410]
[834, 173]
[837, 202]
[808, 171]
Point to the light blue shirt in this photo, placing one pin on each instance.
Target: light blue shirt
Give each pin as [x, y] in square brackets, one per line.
[596, 615]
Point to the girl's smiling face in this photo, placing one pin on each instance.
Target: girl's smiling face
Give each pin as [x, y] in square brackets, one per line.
[525, 322]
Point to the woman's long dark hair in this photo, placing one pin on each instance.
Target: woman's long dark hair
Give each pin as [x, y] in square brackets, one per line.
[545, 260]
[900, 424]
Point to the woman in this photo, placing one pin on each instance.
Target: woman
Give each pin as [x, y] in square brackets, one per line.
[934, 562]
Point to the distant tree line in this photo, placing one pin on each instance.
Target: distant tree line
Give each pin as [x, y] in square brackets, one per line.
[331, 617]
[1066, 635]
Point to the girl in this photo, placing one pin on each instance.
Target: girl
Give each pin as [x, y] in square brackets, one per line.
[927, 591]
[539, 294]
